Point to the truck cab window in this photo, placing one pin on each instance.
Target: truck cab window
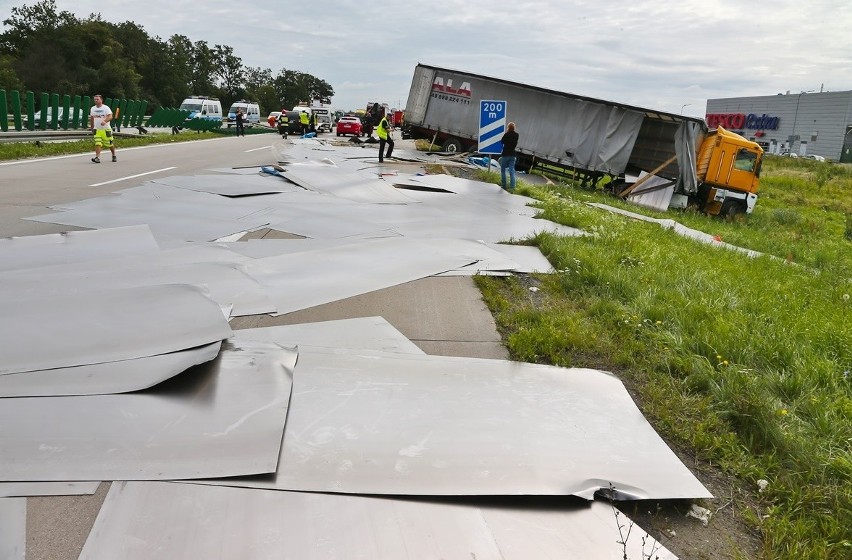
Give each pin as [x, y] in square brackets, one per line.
[745, 160]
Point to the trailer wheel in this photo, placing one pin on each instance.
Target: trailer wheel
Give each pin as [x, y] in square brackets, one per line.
[732, 209]
[453, 145]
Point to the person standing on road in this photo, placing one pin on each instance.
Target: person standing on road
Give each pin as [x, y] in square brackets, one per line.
[99, 117]
[508, 157]
[241, 131]
[305, 121]
[384, 132]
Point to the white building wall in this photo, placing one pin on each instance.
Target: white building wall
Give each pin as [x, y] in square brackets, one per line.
[819, 120]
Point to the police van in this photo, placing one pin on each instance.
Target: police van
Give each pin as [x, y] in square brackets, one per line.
[200, 107]
[250, 110]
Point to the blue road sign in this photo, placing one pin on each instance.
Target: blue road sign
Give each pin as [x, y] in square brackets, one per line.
[492, 126]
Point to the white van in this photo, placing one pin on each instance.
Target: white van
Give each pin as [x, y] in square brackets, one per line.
[251, 112]
[200, 107]
[325, 118]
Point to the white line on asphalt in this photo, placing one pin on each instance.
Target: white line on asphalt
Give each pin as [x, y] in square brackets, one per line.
[131, 177]
[256, 149]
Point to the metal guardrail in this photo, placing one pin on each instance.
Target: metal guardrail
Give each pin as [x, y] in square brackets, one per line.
[51, 135]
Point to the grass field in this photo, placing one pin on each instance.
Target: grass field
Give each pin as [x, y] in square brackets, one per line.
[746, 361]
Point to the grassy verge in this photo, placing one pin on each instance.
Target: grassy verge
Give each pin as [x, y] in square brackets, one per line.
[22, 150]
[746, 361]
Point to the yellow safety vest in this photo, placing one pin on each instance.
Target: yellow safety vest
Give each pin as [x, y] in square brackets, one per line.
[382, 131]
[303, 118]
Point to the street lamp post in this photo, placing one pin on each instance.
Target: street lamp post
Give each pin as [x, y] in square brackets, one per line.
[792, 138]
[684, 105]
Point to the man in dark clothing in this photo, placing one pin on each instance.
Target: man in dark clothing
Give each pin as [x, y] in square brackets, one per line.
[239, 118]
[508, 157]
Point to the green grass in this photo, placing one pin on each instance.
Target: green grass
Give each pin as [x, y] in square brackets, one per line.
[748, 362]
[21, 150]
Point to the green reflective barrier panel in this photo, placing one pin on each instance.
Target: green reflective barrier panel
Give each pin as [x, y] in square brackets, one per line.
[143, 106]
[30, 110]
[54, 111]
[43, 110]
[87, 108]
[4, 123]
[77, 117]
[66, 111]
[15, 100]
[126, 107]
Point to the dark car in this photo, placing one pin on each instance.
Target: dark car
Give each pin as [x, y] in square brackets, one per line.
[293, 125]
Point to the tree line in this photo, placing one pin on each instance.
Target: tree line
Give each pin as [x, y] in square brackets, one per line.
[43, 49]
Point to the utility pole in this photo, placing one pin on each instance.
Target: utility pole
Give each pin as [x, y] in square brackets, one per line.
[792, 138]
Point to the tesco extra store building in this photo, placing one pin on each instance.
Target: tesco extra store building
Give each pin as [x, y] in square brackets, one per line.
[802, 123]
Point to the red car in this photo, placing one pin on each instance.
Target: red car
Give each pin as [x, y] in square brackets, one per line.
[349, 125]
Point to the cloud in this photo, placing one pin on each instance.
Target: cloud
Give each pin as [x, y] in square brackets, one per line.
[661, 55]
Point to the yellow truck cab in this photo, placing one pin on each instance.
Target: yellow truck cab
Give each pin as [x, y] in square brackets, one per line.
[728, 168]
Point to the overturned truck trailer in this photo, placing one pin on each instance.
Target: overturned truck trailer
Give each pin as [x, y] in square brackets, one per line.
[588, 139]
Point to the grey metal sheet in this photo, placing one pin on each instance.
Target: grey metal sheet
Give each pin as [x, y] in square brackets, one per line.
[17, 489]
[306, 279]
[187, 215]
[192, 521]
[223, 418]
[75, 246]
[92, 328]
[229, 185]
[223, 282]
[344, 184]
[107, 378]
[363, 333]
[13, 528]
[429, 425]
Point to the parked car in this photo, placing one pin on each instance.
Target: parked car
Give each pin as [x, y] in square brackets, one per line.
[349, 125]
[293, 124]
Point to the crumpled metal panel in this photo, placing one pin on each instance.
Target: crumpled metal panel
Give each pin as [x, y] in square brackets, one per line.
[306, 279]
[429, 425]
[362, 333]
[144, 519]
[223, 418]
[233, 185]
[75, 246]
[92, 328]
[16, 489]
[111, 377]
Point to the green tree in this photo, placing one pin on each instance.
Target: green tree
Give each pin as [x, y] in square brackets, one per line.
[260, 87]
[30, 22]
[229, 72]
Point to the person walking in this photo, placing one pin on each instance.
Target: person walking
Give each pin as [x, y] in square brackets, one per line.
[99, 117]
[384, 132]
[508, 157]
[241, 131]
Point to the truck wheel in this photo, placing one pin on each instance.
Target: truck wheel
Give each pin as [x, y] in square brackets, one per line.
[732, 209]
[453, 145]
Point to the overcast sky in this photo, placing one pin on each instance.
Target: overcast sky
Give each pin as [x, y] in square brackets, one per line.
[670, 56]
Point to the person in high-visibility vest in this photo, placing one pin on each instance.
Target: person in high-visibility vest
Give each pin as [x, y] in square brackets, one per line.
[384, 132]
[315, 122]
[305, 121]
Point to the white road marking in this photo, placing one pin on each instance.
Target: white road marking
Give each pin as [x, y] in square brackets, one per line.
[256, 149]
[132, 177]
